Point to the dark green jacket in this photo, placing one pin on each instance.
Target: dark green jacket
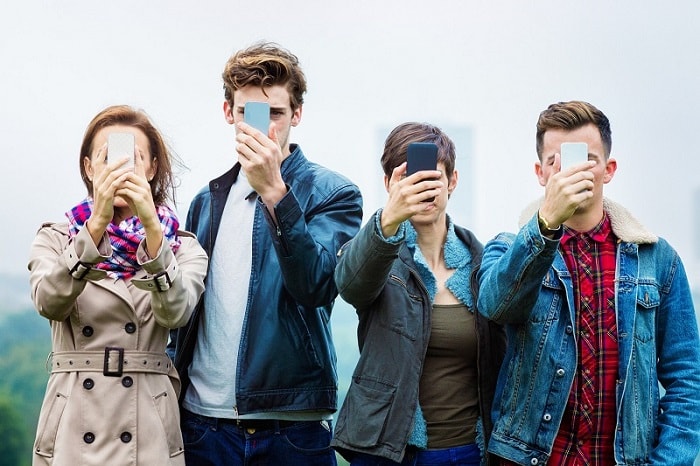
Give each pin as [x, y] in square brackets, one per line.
[380, 279]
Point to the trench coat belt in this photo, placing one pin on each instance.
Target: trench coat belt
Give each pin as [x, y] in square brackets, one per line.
[113, 361]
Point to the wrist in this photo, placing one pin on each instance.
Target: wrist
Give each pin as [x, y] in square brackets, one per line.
[546, 228]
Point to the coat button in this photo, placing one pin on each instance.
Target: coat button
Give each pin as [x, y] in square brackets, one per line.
[547, 417]
[560, 372]
[130, 327]
[127, 381]
[89, 437]
[88, 331]
[126, 437]
[88, 384]
[534, 461]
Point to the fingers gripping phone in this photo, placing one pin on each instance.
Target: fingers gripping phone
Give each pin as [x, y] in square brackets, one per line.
[573, 153]
[421, 156]
[257, 115]
[120, 145]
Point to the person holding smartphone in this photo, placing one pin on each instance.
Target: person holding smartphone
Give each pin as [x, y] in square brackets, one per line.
[112, 281]
[257, 357]
[422, 390]
[599, 315]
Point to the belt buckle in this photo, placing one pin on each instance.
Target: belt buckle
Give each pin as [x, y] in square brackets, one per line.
[107, 370]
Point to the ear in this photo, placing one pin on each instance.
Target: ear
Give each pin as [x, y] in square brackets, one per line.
[87, 164]
[386, 183]
[153, 170]
[228, 112]
[540, 174]
[452, 182]
[296, 116]
[610, 169]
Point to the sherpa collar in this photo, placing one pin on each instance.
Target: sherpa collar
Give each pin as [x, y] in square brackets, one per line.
[624, 225]
[457, 256]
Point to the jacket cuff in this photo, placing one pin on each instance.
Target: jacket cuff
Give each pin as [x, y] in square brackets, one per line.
[81, 255]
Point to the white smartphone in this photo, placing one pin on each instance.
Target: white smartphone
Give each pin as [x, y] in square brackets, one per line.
[573, 153]
[120, 145]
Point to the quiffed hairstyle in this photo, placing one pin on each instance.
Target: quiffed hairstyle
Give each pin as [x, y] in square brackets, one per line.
[570, 116]
[162, 184]
[396, 146]
[265, 64]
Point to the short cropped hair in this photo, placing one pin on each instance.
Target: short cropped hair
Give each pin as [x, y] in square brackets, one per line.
[265, 64]
[570, 116]
[396, 146]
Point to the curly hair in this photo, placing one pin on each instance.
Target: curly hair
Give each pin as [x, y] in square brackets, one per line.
[265, 64]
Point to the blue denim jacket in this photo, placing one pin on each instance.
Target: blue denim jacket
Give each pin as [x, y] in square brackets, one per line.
[525, 285]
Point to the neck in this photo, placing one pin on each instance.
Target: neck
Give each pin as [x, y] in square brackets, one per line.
[431, 239]
[586, 219]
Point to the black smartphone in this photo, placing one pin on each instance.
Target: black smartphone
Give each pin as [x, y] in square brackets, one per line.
[421, 156]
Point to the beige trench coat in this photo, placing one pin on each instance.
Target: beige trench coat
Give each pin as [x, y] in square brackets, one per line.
[111, 398]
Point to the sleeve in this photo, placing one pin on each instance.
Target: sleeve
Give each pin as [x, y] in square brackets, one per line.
[175, 281]
[678, 350]
[60, 267]
[511, 273]
[306, 242]
[364, 265]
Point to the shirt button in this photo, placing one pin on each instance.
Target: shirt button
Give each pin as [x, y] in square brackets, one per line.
[560, 372]
[569, 329]
[88, 384]
[250, 430]
[130, 327]
[534, 461]
[89, 437]
[547, 417]
[88, 331]
[126, 437]
[127, 381]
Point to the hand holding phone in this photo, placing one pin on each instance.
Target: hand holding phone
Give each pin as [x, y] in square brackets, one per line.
[120, 145]
[421, 156]
[573, 153]
[257, 115]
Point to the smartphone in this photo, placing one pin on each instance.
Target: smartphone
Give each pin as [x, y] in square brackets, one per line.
[421, 156]
[573, 153]
[120, 145]
[257, 115]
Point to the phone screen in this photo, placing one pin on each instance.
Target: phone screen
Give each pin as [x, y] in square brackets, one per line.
[120, 145]
[257, 115]
[573, 153]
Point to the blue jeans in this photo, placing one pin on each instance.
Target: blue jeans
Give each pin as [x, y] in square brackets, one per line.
[210, 441]
[466, 455]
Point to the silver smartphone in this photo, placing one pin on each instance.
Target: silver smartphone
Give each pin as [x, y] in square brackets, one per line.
[573, 153]
[120, 145]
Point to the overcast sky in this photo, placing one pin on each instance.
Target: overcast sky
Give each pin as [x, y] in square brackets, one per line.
[490, 66]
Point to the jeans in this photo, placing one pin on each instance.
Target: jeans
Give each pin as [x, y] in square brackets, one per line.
[466, 455]
[213, 442]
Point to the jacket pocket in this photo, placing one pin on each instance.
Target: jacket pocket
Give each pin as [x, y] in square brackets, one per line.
[166, 405]
[48, 426]
[366, 411]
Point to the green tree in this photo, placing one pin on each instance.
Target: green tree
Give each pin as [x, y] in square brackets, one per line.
[13, 433]
[25, 341]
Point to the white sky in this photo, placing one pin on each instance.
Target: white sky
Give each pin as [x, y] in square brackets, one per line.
[492, 66]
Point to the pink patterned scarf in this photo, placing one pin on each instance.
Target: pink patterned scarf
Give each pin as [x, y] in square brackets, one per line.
[125, 237]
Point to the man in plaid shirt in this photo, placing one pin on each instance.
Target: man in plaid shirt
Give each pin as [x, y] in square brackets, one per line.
[598, 313]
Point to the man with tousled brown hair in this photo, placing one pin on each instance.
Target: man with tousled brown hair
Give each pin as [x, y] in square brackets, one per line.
[598, 314]
[257, 358]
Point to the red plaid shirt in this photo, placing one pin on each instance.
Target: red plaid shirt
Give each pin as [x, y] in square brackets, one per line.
[587, 430]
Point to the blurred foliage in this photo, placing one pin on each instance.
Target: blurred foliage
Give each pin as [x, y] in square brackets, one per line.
[25, 341]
